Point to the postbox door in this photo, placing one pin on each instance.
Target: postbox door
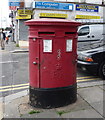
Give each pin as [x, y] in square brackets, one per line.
[57, 62]
[34, 59]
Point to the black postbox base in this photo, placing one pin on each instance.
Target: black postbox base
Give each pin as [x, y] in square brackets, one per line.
[52, 97]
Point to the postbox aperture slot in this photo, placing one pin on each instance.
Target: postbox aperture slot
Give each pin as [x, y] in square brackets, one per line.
[46, 33]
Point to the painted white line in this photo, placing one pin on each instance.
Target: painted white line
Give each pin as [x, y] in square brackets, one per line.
[83, 80]
[85, 77]
[2, 76]
[9, 62]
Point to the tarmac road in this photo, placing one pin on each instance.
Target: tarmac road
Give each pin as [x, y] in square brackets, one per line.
[14, 72]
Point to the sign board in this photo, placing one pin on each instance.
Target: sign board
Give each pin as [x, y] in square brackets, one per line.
[53, 15]
[12, 7]
[87, 8]
[22, 17]
[14, 3]
[53, 5]
[25, 11]
[87, 17]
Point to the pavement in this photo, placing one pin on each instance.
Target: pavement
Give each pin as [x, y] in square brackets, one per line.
[11, 47]
[90, 102]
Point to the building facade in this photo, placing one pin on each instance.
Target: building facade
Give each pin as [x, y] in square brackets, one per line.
[85, 11]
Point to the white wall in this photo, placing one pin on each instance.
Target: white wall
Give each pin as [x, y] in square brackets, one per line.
[87, 1]
[28, 3]
[94, 1]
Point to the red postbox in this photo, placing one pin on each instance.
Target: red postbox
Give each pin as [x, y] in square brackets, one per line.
[52, 62]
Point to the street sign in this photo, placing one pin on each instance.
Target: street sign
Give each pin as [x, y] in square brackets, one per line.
[14, 3]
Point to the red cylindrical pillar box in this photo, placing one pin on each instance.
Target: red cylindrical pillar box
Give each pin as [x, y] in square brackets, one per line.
[52, 62]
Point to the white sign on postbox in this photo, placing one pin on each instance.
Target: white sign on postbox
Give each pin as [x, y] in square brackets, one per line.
[47, 45]
[69, 45]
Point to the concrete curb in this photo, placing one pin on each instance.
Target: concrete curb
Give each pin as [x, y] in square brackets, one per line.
[14, 96]
[19, 51]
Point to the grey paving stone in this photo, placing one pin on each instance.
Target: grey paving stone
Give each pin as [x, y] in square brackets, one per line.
[1, 110]
[25, 108]
[80, 104]
[98, 106]
[91, 94]
[102, 86]
[11, 111]
[11, 108]
[16, 96]
[89, 113]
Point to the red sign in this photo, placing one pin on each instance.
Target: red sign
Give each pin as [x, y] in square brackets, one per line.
[12, 7]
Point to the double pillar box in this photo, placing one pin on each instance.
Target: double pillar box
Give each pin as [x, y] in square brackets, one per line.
[52, 62]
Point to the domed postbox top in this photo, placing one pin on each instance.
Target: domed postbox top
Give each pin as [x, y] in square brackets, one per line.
[45, 21]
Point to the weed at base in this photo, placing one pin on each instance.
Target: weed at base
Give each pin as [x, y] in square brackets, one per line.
[17, 45]
[34, 111]
[60, 112]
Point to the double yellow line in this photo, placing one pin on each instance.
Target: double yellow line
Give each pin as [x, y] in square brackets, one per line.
[14, 87]
[87, 78]
[26, 85]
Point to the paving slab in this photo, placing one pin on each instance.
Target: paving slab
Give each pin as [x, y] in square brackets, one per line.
[98, 106]
[87, 113]
[11, 109]
[102, 87]
[25, 108]
[16, 96]
[80, 104]
[91, 94]
[1, 110]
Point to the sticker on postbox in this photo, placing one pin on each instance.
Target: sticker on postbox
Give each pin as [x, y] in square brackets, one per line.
[68, 45]
[47, 45]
